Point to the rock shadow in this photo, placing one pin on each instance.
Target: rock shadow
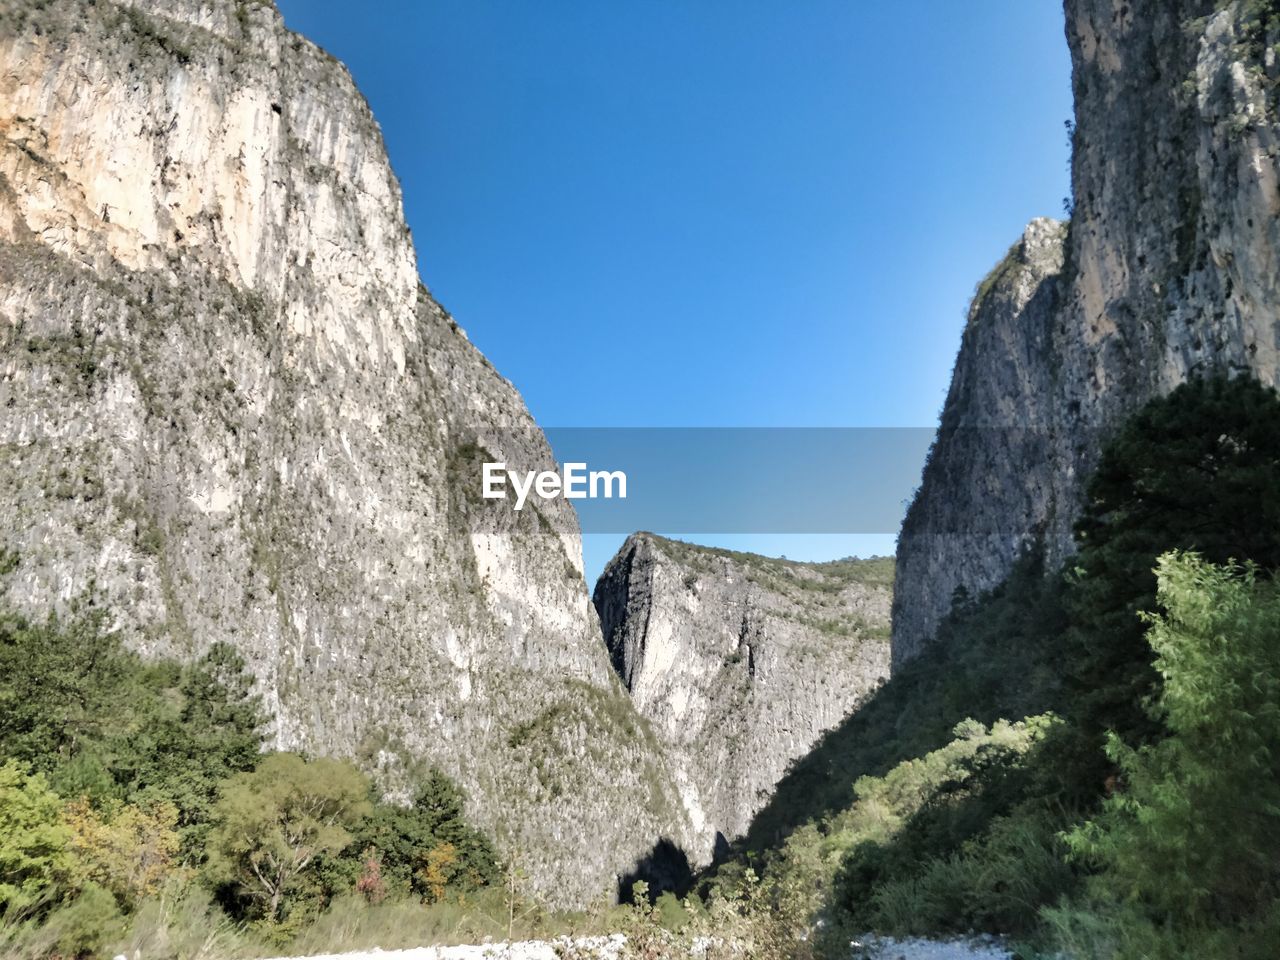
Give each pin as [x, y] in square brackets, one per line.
[665, 869]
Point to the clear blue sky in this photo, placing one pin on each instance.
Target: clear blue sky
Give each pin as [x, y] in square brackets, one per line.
[714, 212]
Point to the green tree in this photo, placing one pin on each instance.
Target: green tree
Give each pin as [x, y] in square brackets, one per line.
[64, 685]
[271, 824]
[183, 755]
[220, 710]
[1196, 470]
[33, 838]
[430, 842]
[1188, 846]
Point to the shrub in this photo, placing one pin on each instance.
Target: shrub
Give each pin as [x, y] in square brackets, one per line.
[942, 843]
[62, 686]
[85, 925]
[1196, 470]
[428, 846]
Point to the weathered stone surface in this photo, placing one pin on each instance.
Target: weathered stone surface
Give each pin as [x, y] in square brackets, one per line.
[230, 405]
[740, 662]
[1170, 268]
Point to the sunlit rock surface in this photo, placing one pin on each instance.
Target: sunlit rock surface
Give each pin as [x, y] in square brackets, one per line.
[231, 407]
[740, 662]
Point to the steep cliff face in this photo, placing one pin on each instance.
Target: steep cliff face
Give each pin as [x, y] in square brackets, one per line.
[1170, 268]
[231, 407]
[740, 662]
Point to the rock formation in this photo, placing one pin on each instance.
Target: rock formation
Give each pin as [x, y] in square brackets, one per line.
[1169, 268]
[231, 408]
[740, 662]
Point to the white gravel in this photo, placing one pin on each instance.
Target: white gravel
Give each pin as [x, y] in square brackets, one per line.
[888, 948]
[608, 948]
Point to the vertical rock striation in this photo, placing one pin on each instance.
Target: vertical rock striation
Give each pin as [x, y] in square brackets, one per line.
[1170, 268]
[739, 663]
[231, 407]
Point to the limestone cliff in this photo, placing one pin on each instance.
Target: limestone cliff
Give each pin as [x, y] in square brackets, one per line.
[1170, 267]
[740, 662]
[231, 407]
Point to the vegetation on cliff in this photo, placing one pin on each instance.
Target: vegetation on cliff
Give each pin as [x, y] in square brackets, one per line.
[1136, 818]
[129, 786]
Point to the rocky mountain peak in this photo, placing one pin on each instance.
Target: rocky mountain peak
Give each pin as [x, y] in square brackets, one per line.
[233, 413]
[1166, 271]
[739, 662]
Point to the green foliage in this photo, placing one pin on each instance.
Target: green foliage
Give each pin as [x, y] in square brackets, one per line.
[33, 839]
[428, 845]
[996, 880]
[221, 712]
[275, 821]
[1196, 470]
[126, 774]
[1187, 848]
[925, 811]
[991, 659]
[86, 925]
[906, 855]
[78, 928]
[103, 724]
[62, 685]
[216, 733]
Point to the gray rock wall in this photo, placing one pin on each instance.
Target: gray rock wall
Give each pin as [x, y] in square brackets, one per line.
[230, 405]
[1169, 269]
[739, 663]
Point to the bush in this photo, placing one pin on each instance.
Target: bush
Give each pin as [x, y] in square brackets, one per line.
[427, 847]
[127, 850]
[64, 685]
[85, 925]
[945, 843]
[1196, 470]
